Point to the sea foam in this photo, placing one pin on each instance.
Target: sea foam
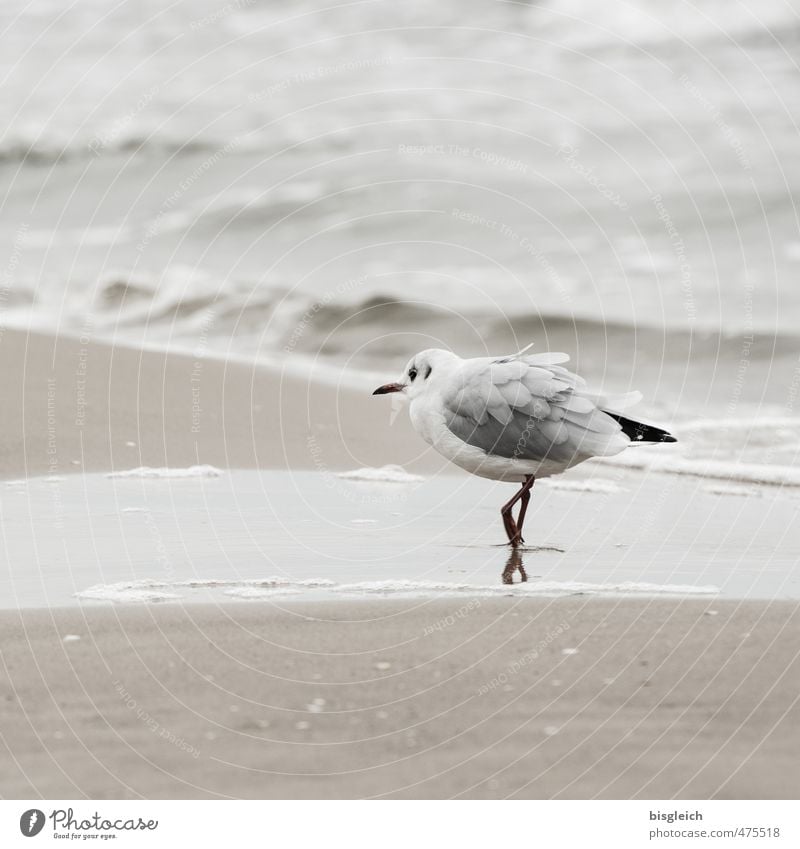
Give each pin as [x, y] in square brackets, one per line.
[383, 474]
[605, 487]
[202, 471]
[129, 591]
[530, 588]
[151, 590]
[727, 470]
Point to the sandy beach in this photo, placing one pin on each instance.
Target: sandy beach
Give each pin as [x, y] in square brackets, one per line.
[272, 629]
[568, 698]
[75, 404]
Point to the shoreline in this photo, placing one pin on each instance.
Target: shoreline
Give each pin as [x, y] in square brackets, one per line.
[78, 405]
[263, 534]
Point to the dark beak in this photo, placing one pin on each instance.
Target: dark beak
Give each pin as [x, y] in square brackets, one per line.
[389, 387]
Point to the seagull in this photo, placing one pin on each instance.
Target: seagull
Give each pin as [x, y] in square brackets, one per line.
[515, 418]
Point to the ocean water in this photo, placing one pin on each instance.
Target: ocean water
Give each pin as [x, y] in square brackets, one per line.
[287, 536]
[347, 184]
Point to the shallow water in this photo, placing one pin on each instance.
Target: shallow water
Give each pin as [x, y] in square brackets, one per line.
[279, 536]
[206, 172]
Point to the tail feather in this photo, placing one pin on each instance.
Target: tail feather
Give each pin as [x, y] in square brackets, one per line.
[640, 432]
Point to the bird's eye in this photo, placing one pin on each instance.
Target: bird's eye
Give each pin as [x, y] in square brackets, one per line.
[412, 373]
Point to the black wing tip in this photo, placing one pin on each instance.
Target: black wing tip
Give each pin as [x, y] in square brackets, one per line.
[640, 432]
[648, 434]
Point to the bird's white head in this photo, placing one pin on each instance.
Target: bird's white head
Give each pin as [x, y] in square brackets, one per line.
[423, 372]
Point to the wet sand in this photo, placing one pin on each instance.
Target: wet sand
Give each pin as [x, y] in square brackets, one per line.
[568, 698]
[79, 405]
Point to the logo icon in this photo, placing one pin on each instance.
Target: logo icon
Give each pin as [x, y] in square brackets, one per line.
[31, 822]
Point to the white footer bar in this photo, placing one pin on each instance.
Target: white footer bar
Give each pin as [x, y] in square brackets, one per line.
[401, 824]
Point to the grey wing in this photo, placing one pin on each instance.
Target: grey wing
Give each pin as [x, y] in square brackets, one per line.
[531, 408]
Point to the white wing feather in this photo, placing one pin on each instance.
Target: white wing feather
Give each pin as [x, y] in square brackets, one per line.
[560, 418]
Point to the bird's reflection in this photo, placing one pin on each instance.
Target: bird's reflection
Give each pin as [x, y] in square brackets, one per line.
[514, 564]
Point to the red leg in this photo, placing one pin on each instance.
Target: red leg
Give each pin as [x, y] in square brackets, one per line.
[509, 524]
[508, 520]
[525, 497]
[513, 531]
